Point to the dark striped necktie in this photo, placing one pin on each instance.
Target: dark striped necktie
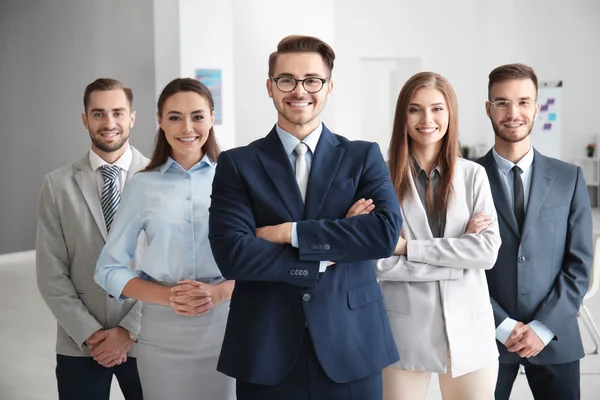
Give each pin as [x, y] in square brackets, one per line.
[110, 193]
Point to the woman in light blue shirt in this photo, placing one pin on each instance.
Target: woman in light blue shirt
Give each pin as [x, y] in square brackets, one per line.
[185, 298]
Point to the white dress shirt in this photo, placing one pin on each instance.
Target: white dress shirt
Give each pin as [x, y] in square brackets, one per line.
[124, 162]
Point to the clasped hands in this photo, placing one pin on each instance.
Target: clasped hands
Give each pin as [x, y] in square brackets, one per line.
[524, 341]
[193, 298]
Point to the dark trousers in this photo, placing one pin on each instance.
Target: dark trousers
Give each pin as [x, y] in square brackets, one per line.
[558, 381]
[307, 381]
[83, 378]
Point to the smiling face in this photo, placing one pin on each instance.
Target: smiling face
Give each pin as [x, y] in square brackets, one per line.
[186, 120]
[513, 124]
[108, 120]
[299, 110]
[427, 118]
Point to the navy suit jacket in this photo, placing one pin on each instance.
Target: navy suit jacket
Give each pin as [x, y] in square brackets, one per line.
[279, 292]
[543, 273]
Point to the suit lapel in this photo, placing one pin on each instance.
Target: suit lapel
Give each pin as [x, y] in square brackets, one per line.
[86, 181]
[503, 207]
[138, 162]
[541, 180]
[325, 163]
[414, 214]
[279, 169]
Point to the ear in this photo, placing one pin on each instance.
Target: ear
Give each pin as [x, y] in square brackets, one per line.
[270, 87]
[159, 120]
[212, 118]
[488, 108]
[132, 120]
[85, 121]
[330, 86]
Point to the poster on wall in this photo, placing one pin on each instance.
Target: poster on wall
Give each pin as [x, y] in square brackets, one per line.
[546, 133]
[212, 79]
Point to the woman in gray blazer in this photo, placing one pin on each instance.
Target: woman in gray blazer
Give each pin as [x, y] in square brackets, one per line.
[434, 284]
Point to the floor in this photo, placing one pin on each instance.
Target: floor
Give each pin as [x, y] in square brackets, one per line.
[27, 336]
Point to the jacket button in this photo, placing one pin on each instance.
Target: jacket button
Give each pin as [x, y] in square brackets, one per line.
[319, 247]
[326, 247]
[306, 297]
[292, 272]
[305, 273]
[313, 247]
[522, 259]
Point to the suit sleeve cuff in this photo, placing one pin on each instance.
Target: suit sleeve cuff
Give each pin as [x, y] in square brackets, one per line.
[504, 330]
[295, 238]
[545, 334]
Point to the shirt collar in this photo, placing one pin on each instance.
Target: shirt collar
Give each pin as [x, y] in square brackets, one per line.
[505, 166]
[417, 168]
[204, 162]
[124, 162]
[290, 142]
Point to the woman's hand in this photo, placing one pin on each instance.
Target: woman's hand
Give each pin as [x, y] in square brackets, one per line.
[478, 223]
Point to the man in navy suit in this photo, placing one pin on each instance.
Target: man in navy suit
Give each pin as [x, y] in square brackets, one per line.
[307, 319]
[543, 267]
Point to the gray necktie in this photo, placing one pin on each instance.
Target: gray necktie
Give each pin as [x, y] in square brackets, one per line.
[302, 168]
[111, 197]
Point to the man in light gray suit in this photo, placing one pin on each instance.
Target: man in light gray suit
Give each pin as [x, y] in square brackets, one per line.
[77, 203]
[543, 267]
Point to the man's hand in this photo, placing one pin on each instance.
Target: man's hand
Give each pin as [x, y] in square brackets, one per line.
[109, 347]
[361, 207]
[529, 346]
[281, 233]
[516, 335]
[478, 223]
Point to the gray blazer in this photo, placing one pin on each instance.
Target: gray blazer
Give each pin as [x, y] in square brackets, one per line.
[437, 297]
[543, 273]
[70, 236]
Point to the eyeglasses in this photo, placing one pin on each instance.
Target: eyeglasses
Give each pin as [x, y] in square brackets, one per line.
[504, 104]
[287, 84]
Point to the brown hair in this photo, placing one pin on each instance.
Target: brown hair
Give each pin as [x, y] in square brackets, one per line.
[509, 72]
[302, 44]
[162, 148]
[103, 84]
[400, 143]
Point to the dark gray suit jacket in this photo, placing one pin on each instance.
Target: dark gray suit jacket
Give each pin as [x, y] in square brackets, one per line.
[543, 273]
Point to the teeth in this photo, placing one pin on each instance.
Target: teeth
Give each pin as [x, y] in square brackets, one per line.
[187, 139]
[304, 104]
[513, 125]
[429, 130]
[109, 134]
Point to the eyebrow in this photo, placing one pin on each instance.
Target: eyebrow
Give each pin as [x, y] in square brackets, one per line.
[434, 104]
[103, 110]
[518, 98]
[193, 112]
[309, 75]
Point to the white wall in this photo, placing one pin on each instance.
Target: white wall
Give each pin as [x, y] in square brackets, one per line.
[194, 34]
[258, 25]
[464, 40]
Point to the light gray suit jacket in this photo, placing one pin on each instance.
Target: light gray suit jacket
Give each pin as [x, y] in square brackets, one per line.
[437, 296]
[71, 233]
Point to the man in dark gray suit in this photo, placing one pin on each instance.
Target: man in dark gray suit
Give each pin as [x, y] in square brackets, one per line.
[77, 204]
[543, 266]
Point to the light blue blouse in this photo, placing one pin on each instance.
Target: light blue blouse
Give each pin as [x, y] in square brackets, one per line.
[170, 205]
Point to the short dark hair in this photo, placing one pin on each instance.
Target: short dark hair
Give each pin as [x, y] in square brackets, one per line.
[102, 84]
[509, 72]
[302, 44]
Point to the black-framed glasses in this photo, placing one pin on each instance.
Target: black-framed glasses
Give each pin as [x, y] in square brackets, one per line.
[287, 84]
[504, 104]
